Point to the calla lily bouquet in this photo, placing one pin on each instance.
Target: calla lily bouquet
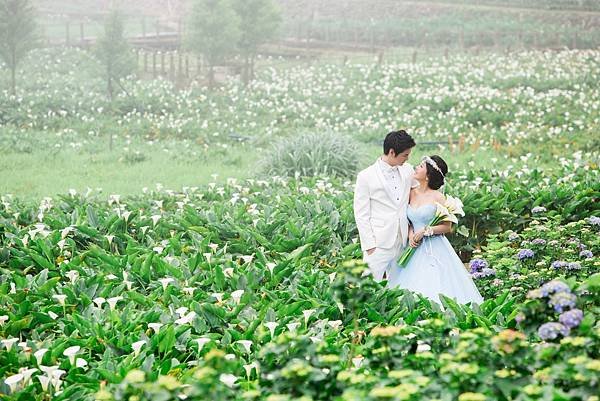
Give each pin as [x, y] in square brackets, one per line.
[446, 212]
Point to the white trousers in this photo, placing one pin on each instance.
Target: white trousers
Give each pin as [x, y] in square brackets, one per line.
[384, 260]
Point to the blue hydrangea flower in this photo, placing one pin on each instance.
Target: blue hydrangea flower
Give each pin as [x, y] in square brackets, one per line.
[485, 272]
[587, 254]
[562, 301]
[559, 264]
[477, 265]
[538, 209]
[525, 254]
[539, 241]
[553, 287]
[551, 331]
[574, 266]
[571, 318]
[594, 220]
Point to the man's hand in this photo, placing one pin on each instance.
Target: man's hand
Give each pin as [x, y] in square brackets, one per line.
[370, 251]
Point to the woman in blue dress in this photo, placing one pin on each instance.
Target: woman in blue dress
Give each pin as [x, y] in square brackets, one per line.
[435, 268]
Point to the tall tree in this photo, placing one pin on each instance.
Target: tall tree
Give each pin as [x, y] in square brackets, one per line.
[18, 34]
[214, 32]
[260, 21]
[114, 53]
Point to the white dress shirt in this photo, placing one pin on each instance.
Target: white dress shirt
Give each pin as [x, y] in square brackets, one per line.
[392, 178]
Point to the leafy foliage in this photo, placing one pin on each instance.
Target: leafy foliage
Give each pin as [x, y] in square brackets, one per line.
[114, 53]
[17, 34]
[313, 154]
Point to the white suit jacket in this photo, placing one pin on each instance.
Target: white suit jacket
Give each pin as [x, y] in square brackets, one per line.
[378, 214]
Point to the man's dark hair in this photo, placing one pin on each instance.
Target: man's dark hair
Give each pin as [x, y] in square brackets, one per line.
[399, 141]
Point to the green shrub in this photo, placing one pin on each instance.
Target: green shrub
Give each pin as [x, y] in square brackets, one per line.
[313, 154]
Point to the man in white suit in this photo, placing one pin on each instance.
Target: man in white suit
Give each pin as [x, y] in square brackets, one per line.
[380, 202]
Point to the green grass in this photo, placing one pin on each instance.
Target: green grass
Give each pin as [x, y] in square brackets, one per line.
[40, 173]
[45, 172]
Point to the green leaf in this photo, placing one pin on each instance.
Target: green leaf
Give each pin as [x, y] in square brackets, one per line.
[462, 230]
[48, 285]
[168, 340]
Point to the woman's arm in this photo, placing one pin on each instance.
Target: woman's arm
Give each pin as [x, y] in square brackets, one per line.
[411, 242]
[442, 228]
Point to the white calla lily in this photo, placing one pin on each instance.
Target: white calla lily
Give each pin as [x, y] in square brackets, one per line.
[44, 381]
[13, 381]
[39, 354]
[60, 298]
[228, 379]
[112, 302]
[247, 344]
[155, 326]
[9, 342]
[71, 352]
[99, 302]
[27, 374]
[137, 346]
[201, 342]
[272, 326]
[237, 296]
[81, 363]
[292, 326]
[165, 282]
[307, 314]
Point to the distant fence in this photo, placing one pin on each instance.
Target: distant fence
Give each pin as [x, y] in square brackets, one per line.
[160, 53]
[161, 34]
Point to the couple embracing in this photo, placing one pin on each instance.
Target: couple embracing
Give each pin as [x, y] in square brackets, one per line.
[393, 206]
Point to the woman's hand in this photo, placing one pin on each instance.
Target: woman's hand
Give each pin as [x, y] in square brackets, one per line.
[415, 239]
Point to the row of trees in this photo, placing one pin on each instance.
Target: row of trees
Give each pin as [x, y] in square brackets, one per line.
[218, 30]
[18, 34]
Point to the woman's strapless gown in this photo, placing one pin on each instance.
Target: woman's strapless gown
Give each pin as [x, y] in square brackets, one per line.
[434, 268]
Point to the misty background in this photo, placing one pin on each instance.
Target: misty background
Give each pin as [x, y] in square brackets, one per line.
[118, 96]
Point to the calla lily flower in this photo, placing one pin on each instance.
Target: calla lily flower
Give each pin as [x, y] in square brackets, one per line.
[272, 326]
[335, 324]
[27, 374]
[112, 302]
[137, 346]
[293, 326]
[307, 314]
[13, 381]
[165, 282]
[247, 344]
[237, 296]
[9, 342]
[39, 354]
[71, 352]
[99, 301]
[81, 363]
[201, 342]
[155, 326]
[60, 298]
[44, 381]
